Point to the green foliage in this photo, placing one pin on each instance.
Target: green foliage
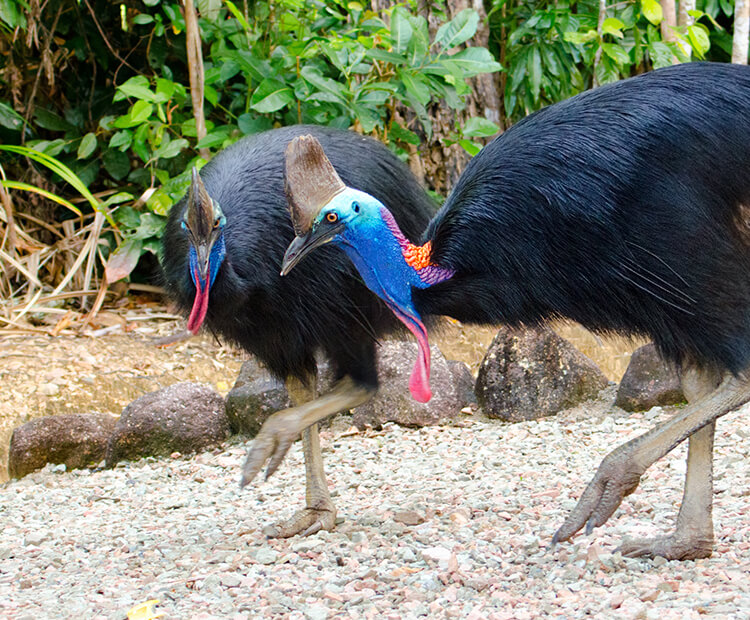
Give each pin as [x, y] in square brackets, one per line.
[266, 64]
[554, 51]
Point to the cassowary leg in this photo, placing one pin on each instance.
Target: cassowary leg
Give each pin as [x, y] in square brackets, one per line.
[621, 470]
[319, 512]
[694, 532]
[283, 427]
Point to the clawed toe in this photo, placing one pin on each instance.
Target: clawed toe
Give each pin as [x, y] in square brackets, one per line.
[670, 547]
[304, 523]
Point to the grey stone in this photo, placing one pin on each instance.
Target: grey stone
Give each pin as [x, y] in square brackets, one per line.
[266, 555]
[648, 382]
[254, 397]
[71, 440]
[450, 383]
[185, 418]
[531, 373]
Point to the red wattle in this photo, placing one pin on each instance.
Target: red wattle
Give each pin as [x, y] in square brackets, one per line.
[419, 382]
[200, 306]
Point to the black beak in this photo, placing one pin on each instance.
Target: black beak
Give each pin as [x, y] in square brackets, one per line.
[303, 245]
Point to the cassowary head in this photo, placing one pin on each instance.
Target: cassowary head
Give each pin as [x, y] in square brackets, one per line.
[204, 224]
[324, 210]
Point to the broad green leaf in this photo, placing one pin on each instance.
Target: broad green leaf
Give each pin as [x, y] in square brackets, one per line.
[251, 123]
[138, 87]
[150, 226]
[401, 30]
[416, 87]
[616, 53]
[479, 127]
[209, 8]
[271, 95]
[121, 140]
[142, 19]
[472, 148]
[87, 146]
[698, 35]
[215, 138]
[377, 54]
[661, 54]
[459, 30]
[613, 26]
[140, 112]
[116, 163]
[471, 61]
[51, 148]
[49, 120]
[9, 118]
[170, 149]
[404, 135]
[651, 10]
[606, 71]
[11, 12]
[579, 38]
[324, 84]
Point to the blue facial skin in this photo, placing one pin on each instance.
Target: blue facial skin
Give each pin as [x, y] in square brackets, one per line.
[371, 245]
[215, 258]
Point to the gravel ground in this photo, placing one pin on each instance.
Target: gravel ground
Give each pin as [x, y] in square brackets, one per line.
[446, 522]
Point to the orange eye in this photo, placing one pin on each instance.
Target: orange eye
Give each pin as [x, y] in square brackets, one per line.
[332, 217]
[217, 222]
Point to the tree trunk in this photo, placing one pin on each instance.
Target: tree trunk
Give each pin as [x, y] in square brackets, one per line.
[195, 64]
[669, 20]
[740, 40]
[599, 26]
[684, 18]
[437, 164]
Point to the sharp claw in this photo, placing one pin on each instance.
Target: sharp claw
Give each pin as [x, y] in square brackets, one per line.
[277, 457]
[590, 525]
[313, 529]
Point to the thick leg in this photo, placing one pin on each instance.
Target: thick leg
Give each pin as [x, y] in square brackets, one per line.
[694, 532]
[319, 512]
[283, 427]
[620, 472]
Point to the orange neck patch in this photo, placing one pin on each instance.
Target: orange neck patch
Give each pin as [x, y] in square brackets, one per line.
[418, 256]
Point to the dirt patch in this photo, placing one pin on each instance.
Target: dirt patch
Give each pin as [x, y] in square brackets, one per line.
[42, 376]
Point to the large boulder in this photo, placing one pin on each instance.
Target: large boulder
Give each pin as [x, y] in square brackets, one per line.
[451, 385]
[255, 396]
[648, 382]
[531, 373]
[185, 417]
[75, 440]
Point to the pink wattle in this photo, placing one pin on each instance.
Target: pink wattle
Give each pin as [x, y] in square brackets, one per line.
[419, 382]
[200, 306]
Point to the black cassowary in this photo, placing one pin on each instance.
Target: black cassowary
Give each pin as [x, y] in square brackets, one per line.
[627, 209]
[222, 253]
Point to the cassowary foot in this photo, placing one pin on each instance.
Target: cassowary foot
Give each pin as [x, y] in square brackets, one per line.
[304, 522]
[617, 476]
[676, 546]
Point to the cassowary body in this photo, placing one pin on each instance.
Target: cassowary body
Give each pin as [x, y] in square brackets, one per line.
[626, 209]
[222, 253]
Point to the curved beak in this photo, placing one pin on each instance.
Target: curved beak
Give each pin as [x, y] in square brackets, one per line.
[302, 245]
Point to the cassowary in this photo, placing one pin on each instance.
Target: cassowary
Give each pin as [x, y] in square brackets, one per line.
[626, 209]
[221, 256]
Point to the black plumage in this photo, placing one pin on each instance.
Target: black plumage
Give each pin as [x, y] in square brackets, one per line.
[625, 209]
[284, 321]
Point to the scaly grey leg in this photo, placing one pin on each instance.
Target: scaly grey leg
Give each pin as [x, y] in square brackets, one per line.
[620, 471]
[694, 532]
[276, 436]
[319, 512]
